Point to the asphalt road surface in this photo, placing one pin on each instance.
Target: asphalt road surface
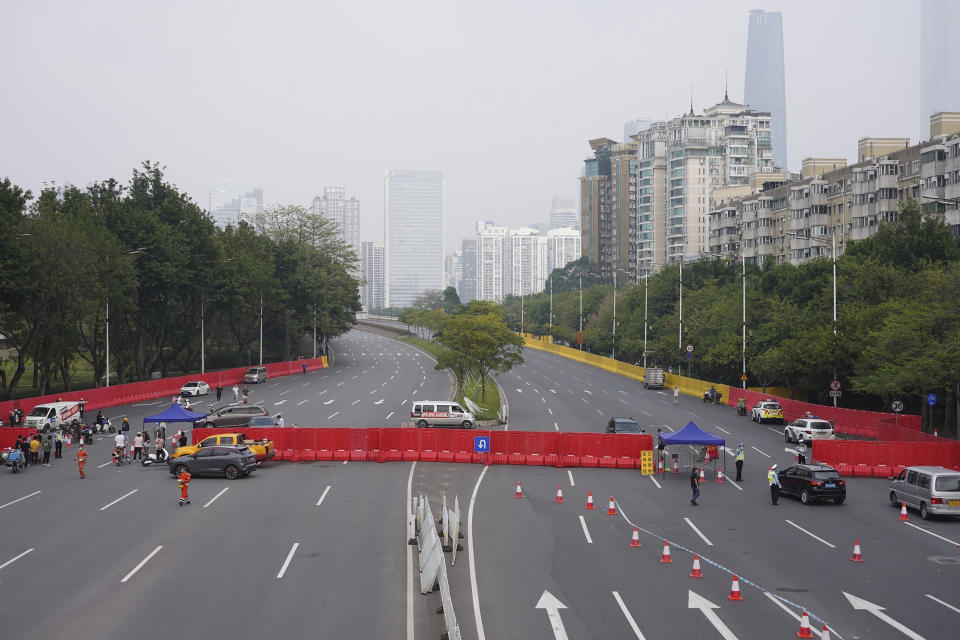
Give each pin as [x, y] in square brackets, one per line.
[318, 549]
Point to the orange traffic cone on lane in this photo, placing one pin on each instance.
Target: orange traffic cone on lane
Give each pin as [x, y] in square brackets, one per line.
[635, 538]
[826, 633]
[696, 567]
[559, 497]
[903, 511]
[857, 556]
[676, 468]
[719, 475]
[665, 556]
[702, 476]
[589, 501]
[805, 631]
[735, 589]
[519, 491]
[611, 508]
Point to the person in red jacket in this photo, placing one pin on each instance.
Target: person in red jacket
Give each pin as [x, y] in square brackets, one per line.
[81, 459]
[183, 483]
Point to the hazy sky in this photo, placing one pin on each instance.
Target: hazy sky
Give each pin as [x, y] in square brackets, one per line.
[501, 96]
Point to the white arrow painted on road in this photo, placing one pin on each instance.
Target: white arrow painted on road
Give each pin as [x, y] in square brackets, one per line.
[549, 602]
[380, 401]
[553, 391]
[706, 607]
[877, 610]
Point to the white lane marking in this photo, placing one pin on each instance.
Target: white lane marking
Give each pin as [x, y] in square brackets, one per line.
[323, 377]
[277, 404]
[600, 412]
[373, 392]
[812, 535]
[655, 482]
[793, 615]
[355, 402]
[305, 384]
[716, 426]
[760, 452]
[345, 461]
[553, 391]
[142, 562]
[148, 404]
[380, 401]
[570, 475]
[473, 565]
[622, 401]
[586, 533]
[698, 532]
[101, 466]
[726, 479]
[275, 384]
[588, 392]
[302, 401]
[323, 495]
[333, 415]
[385, 382]
[542, 399]
[549, 410]
[693, 414]
[585, 400]
[283, 392]
[213, 499]
[340, 384]
[729, 452]
[23, 498]
[948, 606]
[286, 563]
[646, 413]
[126, 495]
[792, 452]
[956, 544]
[409, 511]
[555, 426]
[330, 401]
[323, 392]
[15, 558]
[388, 415]
[626, 614]
[776, 431]
[354, 377]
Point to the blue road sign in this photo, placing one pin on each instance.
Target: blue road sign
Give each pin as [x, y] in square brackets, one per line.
[932, 399]
[689, 355]
[481, 444]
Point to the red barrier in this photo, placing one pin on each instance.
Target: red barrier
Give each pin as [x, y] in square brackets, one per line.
[882, 458]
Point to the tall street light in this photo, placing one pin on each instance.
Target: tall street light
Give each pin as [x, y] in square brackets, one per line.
[129, 253]
[551, 306]
[680, 331]
[646, 277]
[261, 326]
[743, 327]
[580, 331]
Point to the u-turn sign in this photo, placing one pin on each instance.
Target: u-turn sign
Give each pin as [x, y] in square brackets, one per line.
[481, 444]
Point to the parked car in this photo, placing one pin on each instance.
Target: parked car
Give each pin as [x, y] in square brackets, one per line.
[811, 482]
[623, 425]
[429, 413]
[195, 388]
[53, 415]
[255, 375]
[234, 415]
[809, 429]
[767, 410]
[229, 462]
[931, 490]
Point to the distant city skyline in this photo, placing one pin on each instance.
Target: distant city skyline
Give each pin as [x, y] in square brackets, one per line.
[229, 200]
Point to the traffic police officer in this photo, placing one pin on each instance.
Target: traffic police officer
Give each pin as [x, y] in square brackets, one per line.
[739, 461]
[774, 480]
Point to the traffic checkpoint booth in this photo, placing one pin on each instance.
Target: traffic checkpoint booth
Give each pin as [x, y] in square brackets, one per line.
[474, 446]
[693, 435]
[175, 413]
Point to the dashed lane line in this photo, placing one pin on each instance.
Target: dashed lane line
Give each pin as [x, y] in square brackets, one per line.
[760, 452]
[721, 429]
[323, 495]
[812, 535]
[277, 404]
[734, 483]
[600, 412]
[626, 614]
[355, 402]
[333, 415]
[586, 533]
[388, 415]
[30, 495]
[330, 401]
[305, 384]
[655, 482]
[101, 466]
[948, 606]
[142, 562]
[570, 475]
[556, 427]
[126, 495]
[302, 401]
[214, 498]
[549, 410]
[15, 558]
[698, 532]
[909, 524]
[646, 413]
[323, 392]
[284, 392]
[776, 431]
[286, 563]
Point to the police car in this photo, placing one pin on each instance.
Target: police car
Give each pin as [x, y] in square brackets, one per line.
[767, 411]
[808, 429]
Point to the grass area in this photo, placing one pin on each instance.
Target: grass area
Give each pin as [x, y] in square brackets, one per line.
[489, 408]
[81, 377]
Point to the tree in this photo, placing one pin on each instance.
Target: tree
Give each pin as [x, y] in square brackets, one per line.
[451, 301]
[430, 299]
[481, 344]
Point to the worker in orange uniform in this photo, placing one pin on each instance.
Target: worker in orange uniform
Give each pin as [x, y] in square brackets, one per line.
[81, 459]
[183, 482]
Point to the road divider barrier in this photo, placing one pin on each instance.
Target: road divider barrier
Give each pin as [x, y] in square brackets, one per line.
[885, 459]
[433, 569]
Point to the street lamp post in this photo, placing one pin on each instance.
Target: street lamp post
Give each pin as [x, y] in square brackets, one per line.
[551, 306]
[743, 328]
[314, 331]
[613, 335]
[646, 276]
[580, 332]
[261, 326]
[680, 330]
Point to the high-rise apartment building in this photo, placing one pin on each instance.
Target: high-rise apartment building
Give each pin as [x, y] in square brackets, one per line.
[563, 247]
[490, 252]
[940, 57]
[468, 270]
[635, 126]
[413, 228]
[345, 213]
[231, 200]
[526, 259]
[453, 270]
[371, 267]
[563, 213]
[764, 87]
[596, 229]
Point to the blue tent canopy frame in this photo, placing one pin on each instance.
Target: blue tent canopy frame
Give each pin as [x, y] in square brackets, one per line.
[175, 413]
[692, 434]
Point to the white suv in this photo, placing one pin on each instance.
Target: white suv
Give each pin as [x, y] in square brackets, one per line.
[808, 429]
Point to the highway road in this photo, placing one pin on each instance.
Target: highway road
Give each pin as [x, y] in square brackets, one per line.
[318, 548]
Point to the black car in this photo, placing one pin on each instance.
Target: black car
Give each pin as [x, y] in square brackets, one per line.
[811, 482]
[623, 425]
[229, 462]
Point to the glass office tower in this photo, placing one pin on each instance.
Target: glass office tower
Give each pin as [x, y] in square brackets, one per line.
[413, 229]
[764, 84]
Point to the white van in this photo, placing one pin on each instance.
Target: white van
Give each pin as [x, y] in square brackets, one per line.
[46, 417]
[255, 375]
[427, 413]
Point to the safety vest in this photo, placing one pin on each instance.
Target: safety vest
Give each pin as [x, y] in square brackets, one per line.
[739, 457]
[772, 477]
[801, 449]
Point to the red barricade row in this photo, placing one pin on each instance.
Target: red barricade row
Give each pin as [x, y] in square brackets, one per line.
[882, 459]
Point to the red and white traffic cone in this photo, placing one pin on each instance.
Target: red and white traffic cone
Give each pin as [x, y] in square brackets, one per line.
[719, 475]
[519, 491]
[696, 567]
[660, 465]
[676, 469]
[805, 631]
[665, 556]
[903, 511]
[611, 508]
[857, 556]
[735, 590]
[559, 497]
[702, 477]
[589, 501]
[706, 456]
[826, 633]
[635, 538]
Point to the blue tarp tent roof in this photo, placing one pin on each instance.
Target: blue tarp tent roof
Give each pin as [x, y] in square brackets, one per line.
[175, 413]
[692, 434]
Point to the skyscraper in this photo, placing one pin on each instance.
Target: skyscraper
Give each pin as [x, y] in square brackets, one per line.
[413, 228]
[371, 266]
[563, 213]
[231, 200]
[940, 62]
[764, 84]
[345, 212]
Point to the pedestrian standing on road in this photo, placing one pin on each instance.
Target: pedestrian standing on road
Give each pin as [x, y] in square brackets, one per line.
[183, 438]
[219, 391]
[35, 450]
[58, 445]
[739, 461]
[695, 485]
[138, 447]
[279, 420]
[676, 394]
[236, 393]
[801, 451]
[246, 393]
[125, 427]
[774, 480]
[81, 459]
[304, 367]
[183, 483]
[47, 447]
[82, 403]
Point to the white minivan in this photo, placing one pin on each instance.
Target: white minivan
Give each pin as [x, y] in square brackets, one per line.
[429, 413]
[47, 417]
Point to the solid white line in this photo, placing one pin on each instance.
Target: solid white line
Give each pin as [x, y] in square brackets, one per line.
[101, 466]
[15, 558]
[333, 415]
[793, 615]
[586, 534]
[286, 563]
[699, 533]
[142, 562]
[760, 452]
[388, 415]
[323, 495]
[815, 537]
[570, 475]
[473, 565]
[410, 596]
[211, 501]
[957, 544]
[733, 482]
[19, 499]
[948, 606]
[126, 495]
[721, 429]
[655, 482]
[626, 614]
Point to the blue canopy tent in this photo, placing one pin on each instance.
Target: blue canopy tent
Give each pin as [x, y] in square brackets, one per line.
[692, 434]
[175, 413]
